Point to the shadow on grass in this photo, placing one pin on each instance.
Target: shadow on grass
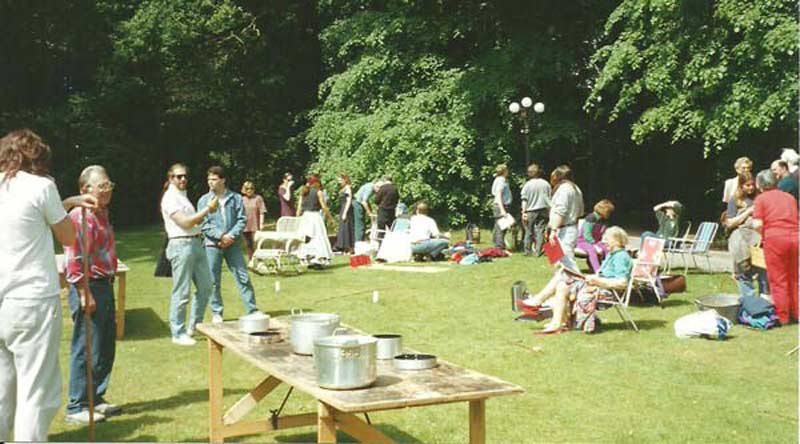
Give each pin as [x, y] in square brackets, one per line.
[144, 324]
[113, 429]
[645, 324]
[675, 302]
[392, 432]
[179, 400]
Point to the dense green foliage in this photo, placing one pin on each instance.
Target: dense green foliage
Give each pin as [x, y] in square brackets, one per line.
[418, 89]
[700, 70]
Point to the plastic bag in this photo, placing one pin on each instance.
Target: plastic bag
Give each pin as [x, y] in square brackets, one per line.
[706, 323]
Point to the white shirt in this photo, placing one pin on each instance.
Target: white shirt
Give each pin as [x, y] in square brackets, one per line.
[422, 228]
[29, 205]
[175, 200]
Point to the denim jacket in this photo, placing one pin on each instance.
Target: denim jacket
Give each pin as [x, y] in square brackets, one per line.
[229, 218]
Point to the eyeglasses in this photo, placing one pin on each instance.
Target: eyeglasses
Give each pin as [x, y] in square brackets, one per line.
[179, 176]
[106, 186]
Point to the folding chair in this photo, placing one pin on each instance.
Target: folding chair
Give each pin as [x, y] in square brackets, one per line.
[674, 245]
[618, 302]
[645, 268]
[700, 245]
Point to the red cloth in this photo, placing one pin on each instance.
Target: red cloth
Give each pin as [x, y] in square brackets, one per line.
[359, 260]
[778, 211]
[493, 252]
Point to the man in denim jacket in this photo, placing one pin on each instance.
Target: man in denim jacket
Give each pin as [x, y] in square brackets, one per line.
[222, 231]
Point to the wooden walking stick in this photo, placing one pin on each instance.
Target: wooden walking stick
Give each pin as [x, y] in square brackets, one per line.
[87, 324]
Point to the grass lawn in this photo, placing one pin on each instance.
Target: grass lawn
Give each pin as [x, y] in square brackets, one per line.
[614, 386]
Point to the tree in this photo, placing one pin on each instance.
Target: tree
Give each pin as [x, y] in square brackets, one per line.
[713, 71]
[420, 90]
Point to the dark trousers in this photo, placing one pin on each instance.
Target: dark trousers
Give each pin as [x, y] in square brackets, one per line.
[498, 234]
[385, 218]
[103, 326]
[534, 230]
[358, 221]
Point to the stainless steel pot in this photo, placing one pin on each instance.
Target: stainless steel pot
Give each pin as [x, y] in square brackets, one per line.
[388, 346]
[254, 322]
[345, 361]
[305, 327]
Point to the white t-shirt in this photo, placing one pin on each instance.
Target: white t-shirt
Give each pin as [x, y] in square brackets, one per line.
[422, 228]
[29, 205]
[175, 200]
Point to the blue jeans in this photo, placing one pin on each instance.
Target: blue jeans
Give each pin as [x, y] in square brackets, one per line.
[433, 247]
[745, 281]
[189, 264]
[103, 330]
[235, 260]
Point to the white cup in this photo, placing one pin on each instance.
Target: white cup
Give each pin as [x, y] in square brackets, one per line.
[375, 297]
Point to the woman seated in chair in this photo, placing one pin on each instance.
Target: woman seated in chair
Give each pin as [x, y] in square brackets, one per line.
[613, 274]
[592, 231]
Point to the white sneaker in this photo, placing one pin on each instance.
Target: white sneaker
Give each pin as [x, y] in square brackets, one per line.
[184, 339]
[216, 319]
[82, 417]
[108, 409]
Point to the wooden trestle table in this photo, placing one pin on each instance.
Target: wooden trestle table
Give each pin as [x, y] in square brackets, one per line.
[336, 409]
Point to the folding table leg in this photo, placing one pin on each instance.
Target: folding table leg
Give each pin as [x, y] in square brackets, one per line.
[326, 424]
[215, 424]
[477, 421]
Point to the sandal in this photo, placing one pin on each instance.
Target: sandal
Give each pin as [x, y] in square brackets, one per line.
[547, 332]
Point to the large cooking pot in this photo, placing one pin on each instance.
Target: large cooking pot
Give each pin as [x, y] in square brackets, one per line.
[345, 361]
[305, 327]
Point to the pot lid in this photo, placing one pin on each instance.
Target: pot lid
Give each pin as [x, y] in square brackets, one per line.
[345, 341]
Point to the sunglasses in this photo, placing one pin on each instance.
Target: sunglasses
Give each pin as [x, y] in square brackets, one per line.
[107, 186]
[179, 176]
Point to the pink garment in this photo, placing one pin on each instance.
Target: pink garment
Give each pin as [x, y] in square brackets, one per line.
[102, 253]
[253, 208]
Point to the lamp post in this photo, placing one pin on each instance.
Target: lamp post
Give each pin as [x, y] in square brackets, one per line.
[523, 110]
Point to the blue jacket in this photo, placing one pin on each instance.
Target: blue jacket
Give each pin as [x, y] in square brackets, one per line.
[229, 218]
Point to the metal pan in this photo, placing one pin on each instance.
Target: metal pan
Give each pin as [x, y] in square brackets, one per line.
[414, 361]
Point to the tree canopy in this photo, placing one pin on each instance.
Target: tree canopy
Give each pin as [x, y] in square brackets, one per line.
[411, 88]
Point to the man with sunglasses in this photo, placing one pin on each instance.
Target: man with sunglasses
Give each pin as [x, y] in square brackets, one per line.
[186, 254]
[102, 267]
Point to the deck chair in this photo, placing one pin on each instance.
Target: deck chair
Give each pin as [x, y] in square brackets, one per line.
[618, 302]
[699, 245]
[278, 251]
[674, 245]
[645, 269]
[396, 245]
